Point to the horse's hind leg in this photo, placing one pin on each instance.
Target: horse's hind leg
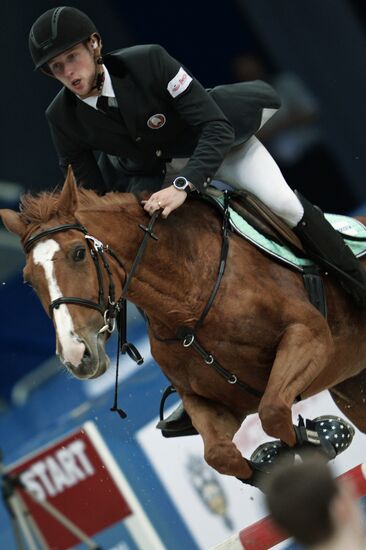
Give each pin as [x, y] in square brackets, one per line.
[350, 397]
[301, 355]
[217, 427]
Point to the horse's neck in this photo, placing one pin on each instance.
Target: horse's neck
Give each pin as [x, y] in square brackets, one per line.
[168, 281]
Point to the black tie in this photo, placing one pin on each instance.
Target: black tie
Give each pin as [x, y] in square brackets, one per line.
[107, 109]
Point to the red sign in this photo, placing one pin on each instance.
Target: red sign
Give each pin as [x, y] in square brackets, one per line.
[73, 477]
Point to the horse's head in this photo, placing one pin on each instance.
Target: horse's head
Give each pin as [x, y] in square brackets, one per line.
[66, 270]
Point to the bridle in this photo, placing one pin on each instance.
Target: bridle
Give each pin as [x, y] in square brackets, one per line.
[109, 308]
[112, 310]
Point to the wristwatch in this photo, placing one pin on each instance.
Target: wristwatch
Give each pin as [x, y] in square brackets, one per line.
[182, 184]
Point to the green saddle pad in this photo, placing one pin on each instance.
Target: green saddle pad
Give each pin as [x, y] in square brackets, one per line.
[343, 224]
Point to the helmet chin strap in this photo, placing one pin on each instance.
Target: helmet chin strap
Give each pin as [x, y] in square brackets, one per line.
[99, 72]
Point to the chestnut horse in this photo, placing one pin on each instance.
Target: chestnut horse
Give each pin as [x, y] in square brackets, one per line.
[261, 327]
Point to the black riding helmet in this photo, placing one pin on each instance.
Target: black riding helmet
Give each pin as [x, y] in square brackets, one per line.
[57, 30]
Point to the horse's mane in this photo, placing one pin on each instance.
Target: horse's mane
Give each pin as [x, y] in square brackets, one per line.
[46, 205]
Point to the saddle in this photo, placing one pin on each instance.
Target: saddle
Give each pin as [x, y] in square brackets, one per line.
[263, 220]
[252, 209]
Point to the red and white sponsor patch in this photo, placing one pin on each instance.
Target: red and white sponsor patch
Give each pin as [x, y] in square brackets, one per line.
[156, 121]
[179, 83]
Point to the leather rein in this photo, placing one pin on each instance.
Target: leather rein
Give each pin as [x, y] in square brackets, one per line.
[117, 310]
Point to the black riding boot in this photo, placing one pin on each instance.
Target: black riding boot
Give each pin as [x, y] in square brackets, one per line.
[327, 247]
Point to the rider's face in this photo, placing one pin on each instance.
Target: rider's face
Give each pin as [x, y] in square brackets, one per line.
[75, 69]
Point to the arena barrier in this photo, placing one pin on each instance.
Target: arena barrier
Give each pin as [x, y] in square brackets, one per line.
[263, 534]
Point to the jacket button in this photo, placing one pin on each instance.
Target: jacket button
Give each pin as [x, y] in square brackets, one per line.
[159, 152]
[208, 180]
[138, 138]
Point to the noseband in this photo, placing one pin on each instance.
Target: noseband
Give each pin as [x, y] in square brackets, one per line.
[97, 251]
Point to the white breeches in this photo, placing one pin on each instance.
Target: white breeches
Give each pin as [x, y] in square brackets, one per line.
[251, 167]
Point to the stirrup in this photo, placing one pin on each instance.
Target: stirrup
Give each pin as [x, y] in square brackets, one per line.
[178, 423]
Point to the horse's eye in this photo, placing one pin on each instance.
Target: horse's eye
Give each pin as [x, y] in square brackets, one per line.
[78, 255]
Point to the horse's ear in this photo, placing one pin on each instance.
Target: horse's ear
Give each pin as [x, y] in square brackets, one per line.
[69, 195]
[13, 222]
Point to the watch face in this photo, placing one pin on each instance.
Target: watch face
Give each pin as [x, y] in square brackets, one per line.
[180, 183]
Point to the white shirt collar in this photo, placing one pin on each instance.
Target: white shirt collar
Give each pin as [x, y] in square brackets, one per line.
[107, 90]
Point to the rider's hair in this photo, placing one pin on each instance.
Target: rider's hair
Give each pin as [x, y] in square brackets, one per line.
[299, 498]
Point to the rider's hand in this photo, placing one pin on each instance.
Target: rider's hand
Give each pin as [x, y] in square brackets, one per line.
[167, 200]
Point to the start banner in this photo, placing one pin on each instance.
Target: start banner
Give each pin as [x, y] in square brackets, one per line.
[78, 476]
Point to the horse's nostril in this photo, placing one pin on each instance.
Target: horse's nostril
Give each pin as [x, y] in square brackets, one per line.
[87, 356]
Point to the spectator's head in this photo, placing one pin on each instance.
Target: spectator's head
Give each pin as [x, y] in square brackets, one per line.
[307, 503]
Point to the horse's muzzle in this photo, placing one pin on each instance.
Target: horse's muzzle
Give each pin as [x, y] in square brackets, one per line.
[94, 362]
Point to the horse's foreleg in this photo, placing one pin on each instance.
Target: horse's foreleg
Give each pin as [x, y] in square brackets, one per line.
[301, 355]
[217, 427]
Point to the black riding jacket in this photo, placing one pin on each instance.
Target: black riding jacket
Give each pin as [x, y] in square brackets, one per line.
[193, 122]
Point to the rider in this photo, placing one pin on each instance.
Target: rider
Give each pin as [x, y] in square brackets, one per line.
[156, 126]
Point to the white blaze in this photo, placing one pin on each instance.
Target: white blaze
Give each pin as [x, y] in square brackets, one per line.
[72, 349]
